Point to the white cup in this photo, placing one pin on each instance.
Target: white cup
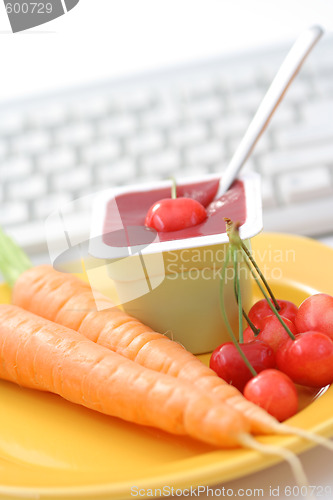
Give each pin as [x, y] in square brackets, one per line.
[173, 286]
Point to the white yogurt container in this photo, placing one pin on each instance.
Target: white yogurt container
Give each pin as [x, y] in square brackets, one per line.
[173, 285]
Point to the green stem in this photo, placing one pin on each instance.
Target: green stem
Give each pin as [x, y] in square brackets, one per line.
[13, 260]
[255, 265]
[173, 188]
[225, 317]
[239, 297]
[273, 308]
[255, 330]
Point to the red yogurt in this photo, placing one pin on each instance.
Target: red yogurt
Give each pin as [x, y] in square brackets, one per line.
[133, 208]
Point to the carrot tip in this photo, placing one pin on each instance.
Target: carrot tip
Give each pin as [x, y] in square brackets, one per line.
[248, 441]
[308, 435]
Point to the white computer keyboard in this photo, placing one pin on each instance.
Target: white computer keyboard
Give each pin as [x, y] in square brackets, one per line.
[184, 121]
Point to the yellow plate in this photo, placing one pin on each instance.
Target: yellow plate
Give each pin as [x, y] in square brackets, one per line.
[50, 448]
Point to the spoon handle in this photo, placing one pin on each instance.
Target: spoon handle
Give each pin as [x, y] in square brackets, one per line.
[285, 75]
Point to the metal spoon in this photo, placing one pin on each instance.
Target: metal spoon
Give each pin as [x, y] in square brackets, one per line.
[287, 72]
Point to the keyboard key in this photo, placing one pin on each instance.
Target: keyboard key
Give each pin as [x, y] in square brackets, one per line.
[60, 158]
[86, 109]
[28, 188]
[304, 134]
[14, 168]
[202, 85]
[166, 162]
[45, 205]
[318, 112]
[3, 149]
[324, 86]
[307, 156]
[161, 117]
[11, 123]
[145, 142]
[203, 109]
[72, 180]
[74, 133]
[321, 60]
[120, 170]
[13, 213]
[122, 125]
[134, 100]
[31, 142]
[207, 153]
[245, 101]
[239, 76]
[298, 186]
[187, 134]
[197, 170]
[268, 193]
[100, 151]
[50, 115]
[230, 125]
[302, 217]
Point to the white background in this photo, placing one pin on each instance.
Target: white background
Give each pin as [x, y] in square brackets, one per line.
[100, 39]
[106, 38]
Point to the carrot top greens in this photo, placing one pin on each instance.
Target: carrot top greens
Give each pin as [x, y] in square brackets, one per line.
[13, 260]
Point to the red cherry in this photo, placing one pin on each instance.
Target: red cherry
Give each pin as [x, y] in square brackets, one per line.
[275, 392]
[316, 313]
[271, 332]
[173, 214]
[248, 335]
[307, 360]
[261, 310]
[229, 365]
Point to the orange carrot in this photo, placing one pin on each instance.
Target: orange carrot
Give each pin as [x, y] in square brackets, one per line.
[65, 299]
[39, 354]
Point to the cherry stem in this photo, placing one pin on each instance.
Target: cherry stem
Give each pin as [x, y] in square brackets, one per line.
[255, 330]
[291, 335]
[234, 238]
[173, 188]
[225, 317]
[239, 296]
[255, 265]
